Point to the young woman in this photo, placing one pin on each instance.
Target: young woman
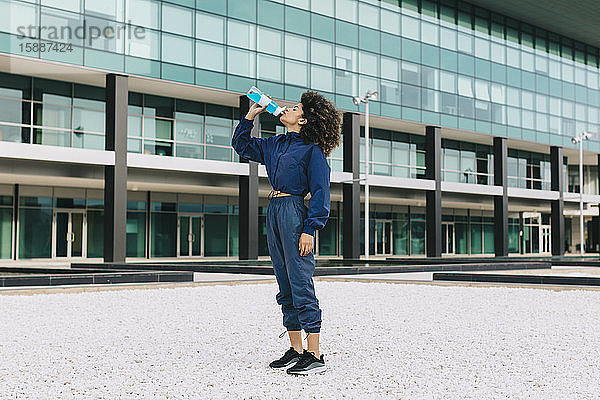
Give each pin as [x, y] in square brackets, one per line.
[296, 165]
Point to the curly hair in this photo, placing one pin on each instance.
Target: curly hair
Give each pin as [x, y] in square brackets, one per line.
[324, 121]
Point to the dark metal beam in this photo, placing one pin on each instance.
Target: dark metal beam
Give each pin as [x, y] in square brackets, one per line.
[351, 190]
[15, 221]
[501, 202]
[248, 198]
[557, 219]
[115, 176]
[433, 198]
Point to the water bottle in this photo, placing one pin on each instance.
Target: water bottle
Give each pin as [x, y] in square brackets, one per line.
[259, 97]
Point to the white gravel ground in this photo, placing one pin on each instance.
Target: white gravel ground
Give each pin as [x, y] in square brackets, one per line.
[380, 341]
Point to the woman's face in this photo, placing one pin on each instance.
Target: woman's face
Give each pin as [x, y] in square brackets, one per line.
[292, 116]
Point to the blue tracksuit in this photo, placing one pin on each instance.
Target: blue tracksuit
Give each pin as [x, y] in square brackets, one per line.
[296, 168]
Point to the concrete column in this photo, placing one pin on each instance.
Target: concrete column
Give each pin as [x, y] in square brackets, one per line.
[501, 202]
[351, 190]
[433, 199]
[115, 176]
[557, 219]
[248, 197]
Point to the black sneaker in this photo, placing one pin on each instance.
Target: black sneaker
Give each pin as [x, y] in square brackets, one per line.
[291, 356]
[308, 364]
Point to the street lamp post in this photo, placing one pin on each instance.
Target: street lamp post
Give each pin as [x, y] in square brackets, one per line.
[370, 95]
[579, 139]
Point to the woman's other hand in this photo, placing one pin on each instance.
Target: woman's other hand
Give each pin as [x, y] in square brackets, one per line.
[305, 245]
[255, 109]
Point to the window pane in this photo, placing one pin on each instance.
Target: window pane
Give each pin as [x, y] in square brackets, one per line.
[5, 233]
[367, 63]
[389, 68]
[410, 27]
[177, 49]
[465, 43]
[163, 229]
[109, 9]
[321, 53]
[18, 15]
[295, 73]
[88, 120]
[346, 10]
[146, 46]
[296, 47]
[215, 244]
[177, 19]
[429, 33]
[448, 38]
[269, 67]
[346, 59]
[269, 41]
[390, 21]
[325, 7]
[210, 27]
[448, 81]
[143, 13]
[241, 34]
[321, 78]
[241, 62]
[368, 16]
[35, 233]
[482, 48]
[210, 56]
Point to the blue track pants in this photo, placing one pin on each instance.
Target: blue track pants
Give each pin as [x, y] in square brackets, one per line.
[285, 220]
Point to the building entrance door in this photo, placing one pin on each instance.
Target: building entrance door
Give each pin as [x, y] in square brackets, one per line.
[190, 235]
[448, 238]
[383, 237]
[69, 230]
[545, 239]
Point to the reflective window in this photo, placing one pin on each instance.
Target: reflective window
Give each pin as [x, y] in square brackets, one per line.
[269, 41]
[241, 62]
[325, 7]
[146, 46]
[296, 47]
[108, 9]
[143, 13]
[448, 38]
[296, 73]
[71, 5]
[241, 34]
[321, 53]
[321, 78]
[269, 68]
[482, 48]
[346, 10]
[390, 21]
[368, 63]
[389, 68]
[177, 49]
[177, 19]
[410, 27]
[210, 27]
[368, 16]
[210, 56]
[346, 58]
[429, 33]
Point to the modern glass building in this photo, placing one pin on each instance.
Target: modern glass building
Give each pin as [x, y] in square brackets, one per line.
[116, 119]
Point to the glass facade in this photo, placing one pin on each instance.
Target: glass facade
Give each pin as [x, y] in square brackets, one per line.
[444, 63]
[447, 62]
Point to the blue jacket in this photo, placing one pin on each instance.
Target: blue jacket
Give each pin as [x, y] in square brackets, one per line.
[292, 167]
